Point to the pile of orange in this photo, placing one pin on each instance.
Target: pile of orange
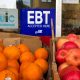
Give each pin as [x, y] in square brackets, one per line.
[19, 63]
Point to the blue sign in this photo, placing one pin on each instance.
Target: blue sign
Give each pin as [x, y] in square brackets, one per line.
[36, 22]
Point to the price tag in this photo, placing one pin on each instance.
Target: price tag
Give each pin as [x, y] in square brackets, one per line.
[71, 1]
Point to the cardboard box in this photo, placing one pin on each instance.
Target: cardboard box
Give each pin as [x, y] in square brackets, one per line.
[31, 41]
[28, 40]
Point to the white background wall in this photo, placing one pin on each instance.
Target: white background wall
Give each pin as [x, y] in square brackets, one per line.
[8, 4]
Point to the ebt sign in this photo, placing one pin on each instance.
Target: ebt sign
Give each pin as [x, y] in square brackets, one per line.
[36, 22]
[37, 17]
[8, 19]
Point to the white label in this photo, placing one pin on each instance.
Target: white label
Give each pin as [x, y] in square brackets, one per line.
[11, 4]
[8, 78]
[8, 19]
[71, 1]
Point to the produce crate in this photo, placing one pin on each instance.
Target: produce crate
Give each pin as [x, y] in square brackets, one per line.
[55, 64]
[31, 41]
[55, 74]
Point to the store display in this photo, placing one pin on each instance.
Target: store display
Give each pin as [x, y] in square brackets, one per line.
[46, 45]
[23, 59]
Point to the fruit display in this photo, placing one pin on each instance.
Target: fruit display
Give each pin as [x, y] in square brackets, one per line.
[17, 62]
[68, 57]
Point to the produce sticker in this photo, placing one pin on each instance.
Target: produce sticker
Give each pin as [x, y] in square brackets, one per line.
[37, 22]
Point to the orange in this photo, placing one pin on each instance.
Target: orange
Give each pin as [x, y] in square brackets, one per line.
[24, 65]
[13, 64]
[13, 70]
[41, 53]
[6, 74]
[23, 48]
[27, 56]
[43, 64]
[33, 72]
[12, 52]
[3, 62]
